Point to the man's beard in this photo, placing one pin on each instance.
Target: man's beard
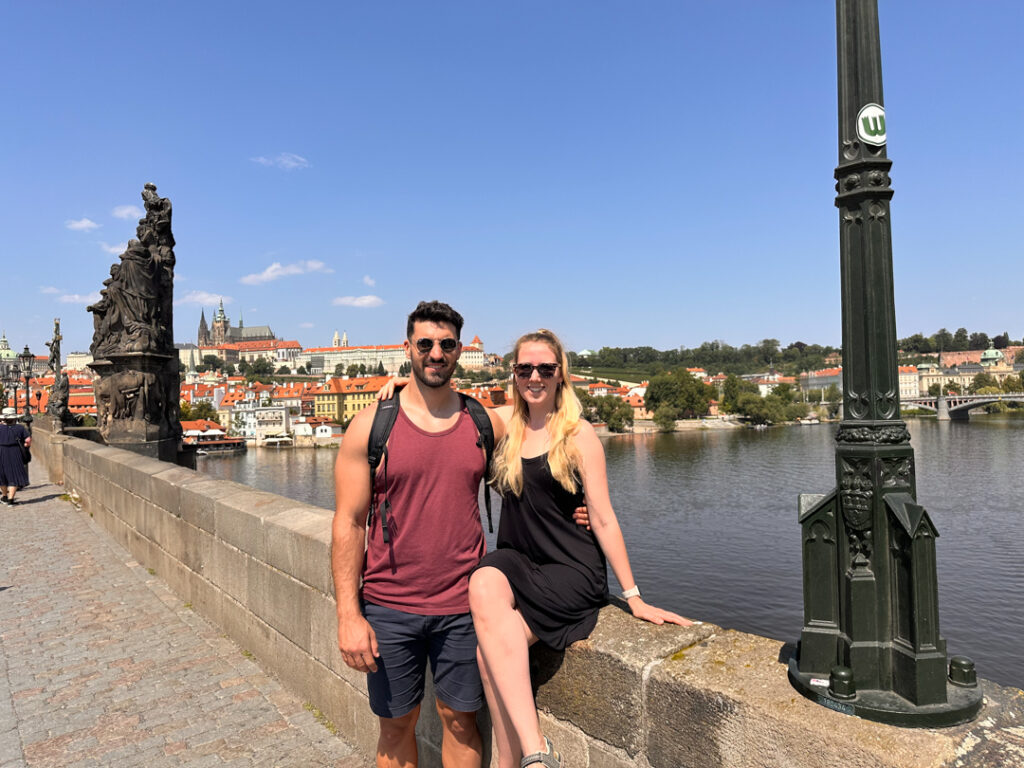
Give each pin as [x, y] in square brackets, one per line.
[428, 378]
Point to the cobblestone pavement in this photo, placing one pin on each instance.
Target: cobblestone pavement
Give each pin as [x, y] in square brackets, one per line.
[102, 665]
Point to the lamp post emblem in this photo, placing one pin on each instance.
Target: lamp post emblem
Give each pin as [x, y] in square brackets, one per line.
[871, 125]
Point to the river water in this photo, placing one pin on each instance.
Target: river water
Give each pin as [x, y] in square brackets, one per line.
[710, 520]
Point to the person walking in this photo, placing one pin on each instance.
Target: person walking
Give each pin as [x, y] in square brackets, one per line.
[13, 469]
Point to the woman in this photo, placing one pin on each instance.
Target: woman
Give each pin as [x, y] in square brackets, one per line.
[13, 473]
[547, 579]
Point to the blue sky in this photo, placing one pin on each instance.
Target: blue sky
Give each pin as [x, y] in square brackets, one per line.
[624, 173]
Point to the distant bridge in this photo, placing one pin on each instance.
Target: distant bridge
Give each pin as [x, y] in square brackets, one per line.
[958, 407]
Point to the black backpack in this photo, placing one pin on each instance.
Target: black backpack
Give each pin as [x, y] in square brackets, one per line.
[377, 450]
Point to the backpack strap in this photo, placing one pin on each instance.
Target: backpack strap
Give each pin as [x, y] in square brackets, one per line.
[486, 441]
[377, 449]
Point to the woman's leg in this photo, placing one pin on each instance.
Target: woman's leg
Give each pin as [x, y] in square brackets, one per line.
[504, 642]
[505, 742]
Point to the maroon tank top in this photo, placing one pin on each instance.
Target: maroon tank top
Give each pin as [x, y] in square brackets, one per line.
[433, 479]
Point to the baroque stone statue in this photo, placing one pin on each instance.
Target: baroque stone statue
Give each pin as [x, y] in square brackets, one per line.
[57, 404]
[133, 339]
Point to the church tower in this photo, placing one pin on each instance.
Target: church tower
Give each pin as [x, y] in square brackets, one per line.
[221, 324]
[203, 336]
[335, 341]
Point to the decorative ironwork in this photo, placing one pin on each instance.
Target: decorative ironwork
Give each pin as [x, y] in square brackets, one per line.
[891, 434]
[871, 608]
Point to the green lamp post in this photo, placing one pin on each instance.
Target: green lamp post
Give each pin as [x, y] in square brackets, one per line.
[870, 644]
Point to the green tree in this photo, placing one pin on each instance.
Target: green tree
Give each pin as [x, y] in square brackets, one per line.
[229, 369]
[352, 371]
[380, 369]
[978, 341]
[665, 418]
[284, 370]
[961, 340]
[1013, 384]
[213, 363]
[301, 370]
[614, 412]
[942, 341]
[983, 381]
[405, 368]
[832, 394]
[260, 370]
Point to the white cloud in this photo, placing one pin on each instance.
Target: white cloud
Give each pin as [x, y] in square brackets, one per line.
[305, 325]
[367, 280]
[286, 161]
[127, 212]
[48, 289]
[81, 225]
[362, 302]
[116, 250]
[78, 298]
[276, 271]
[202, 298]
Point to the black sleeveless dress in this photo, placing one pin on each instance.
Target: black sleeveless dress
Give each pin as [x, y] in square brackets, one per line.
[555, 567]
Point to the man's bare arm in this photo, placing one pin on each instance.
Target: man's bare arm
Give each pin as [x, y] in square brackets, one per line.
[356, 638]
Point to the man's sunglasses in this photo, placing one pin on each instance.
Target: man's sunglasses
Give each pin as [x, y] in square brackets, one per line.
[525, 370]
[425, 345]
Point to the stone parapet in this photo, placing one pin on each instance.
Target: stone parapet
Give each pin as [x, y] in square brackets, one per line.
[632, 695]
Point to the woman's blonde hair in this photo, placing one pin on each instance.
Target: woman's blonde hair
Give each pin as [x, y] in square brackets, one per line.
[562, 424]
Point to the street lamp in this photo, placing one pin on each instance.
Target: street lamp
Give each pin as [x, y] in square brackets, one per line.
[26, 369]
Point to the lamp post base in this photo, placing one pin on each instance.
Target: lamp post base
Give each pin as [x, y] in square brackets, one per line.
[962, 703]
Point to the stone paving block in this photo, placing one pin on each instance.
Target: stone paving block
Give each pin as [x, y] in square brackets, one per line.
[106, 667]
[298, 542]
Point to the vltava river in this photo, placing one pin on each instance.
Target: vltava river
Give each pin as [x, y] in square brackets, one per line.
[710, 518]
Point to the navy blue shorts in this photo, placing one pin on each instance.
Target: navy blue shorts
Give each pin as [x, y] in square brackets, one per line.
[405, 642]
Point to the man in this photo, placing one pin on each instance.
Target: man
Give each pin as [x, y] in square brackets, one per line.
[413, 604]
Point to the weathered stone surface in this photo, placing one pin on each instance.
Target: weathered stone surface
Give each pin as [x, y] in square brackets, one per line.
[600, 681]
[198, 497]
[238, 519]
[728, 702]
[280, 601]
[228, 570]
[299, 543]
[164, 488]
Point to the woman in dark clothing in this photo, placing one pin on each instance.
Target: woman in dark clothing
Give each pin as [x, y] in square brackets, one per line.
[547, 579]
[13, 473]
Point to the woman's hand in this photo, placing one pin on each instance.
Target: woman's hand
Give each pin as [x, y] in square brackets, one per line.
[388, 390]
[657, 615]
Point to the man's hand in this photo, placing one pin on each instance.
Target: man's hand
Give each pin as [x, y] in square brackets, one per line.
[358, 644]
[582, 517]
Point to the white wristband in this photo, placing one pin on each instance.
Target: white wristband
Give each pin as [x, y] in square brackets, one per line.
[633, 591]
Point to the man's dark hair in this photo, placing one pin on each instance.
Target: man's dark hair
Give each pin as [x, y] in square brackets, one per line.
[434, 312]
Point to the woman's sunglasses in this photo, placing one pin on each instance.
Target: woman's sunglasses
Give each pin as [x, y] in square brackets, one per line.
[525, 370]
[447, 345]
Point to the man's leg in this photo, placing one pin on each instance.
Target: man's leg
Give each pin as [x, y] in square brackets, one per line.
[461, 746]
[458, 688]
[396, 688]
[396, 745]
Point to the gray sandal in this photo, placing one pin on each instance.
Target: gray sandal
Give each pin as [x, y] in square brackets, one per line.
[547, 759]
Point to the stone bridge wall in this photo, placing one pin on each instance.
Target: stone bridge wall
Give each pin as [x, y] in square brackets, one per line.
[257, 565]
